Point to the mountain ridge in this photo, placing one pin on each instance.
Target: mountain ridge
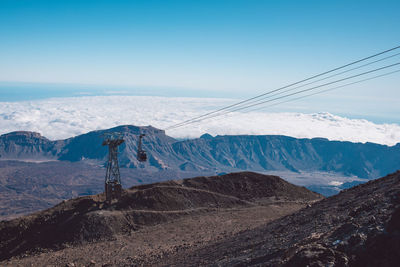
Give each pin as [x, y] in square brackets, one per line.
[219, 154]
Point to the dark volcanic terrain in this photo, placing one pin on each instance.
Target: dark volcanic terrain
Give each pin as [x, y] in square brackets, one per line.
[358, 227]
[150, 221]
[240, 219]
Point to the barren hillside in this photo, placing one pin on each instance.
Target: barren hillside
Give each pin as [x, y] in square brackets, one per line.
[358, 227]
[200, 210]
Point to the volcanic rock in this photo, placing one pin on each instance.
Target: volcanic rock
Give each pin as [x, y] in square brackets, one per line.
[358, 227]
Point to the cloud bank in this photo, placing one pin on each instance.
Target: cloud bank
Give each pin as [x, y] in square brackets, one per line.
[60, 118]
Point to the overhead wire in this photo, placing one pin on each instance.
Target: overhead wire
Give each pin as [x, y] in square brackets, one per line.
[327, 90]
[281, 88]
[285, 96]
[323, 79]
[316, 93]
[318, 86]
[313, 82]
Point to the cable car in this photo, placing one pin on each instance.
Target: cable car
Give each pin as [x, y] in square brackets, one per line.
[141, 154]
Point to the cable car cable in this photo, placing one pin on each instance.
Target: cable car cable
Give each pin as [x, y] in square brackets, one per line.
[284, 87]
[331, 76]
[319, 92]
[288, 95]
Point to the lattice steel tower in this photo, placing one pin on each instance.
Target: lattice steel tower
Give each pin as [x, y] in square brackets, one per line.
[113, 185]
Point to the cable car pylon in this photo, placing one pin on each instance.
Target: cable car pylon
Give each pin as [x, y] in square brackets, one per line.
[112, 187]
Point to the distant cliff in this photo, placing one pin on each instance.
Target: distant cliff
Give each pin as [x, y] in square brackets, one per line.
[219, 154]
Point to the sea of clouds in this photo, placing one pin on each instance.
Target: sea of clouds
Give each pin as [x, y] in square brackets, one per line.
[60, 118]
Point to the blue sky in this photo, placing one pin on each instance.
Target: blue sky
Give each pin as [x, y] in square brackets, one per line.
[195, 48]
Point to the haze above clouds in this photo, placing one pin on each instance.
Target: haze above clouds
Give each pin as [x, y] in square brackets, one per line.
[59, 118]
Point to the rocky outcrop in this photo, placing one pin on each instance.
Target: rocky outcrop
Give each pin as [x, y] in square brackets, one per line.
[26, 145]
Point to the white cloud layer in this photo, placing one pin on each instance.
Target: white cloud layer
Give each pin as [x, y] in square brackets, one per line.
[60, 118]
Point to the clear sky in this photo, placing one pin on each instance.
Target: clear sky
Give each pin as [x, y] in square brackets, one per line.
[205, 48]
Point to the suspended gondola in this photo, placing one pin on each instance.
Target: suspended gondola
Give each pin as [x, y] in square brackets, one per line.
[141, 154]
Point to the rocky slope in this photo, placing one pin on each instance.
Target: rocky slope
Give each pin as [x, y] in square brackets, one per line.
[358, 227]
[88, 219]
[27, 145]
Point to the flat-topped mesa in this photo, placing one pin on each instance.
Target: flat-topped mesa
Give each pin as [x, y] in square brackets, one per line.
[137, 129]
[21, 135]
[23, 145]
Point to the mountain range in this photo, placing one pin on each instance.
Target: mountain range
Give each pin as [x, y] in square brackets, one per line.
[210, 154]
[37, 173]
